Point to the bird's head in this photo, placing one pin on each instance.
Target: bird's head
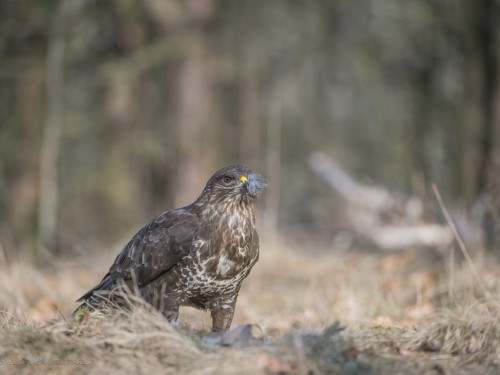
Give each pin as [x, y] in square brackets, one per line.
[234, 184]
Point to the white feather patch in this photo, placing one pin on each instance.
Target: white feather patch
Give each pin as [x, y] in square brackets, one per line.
[224, 266]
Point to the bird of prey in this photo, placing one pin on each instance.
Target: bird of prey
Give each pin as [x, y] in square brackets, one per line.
[196, 255]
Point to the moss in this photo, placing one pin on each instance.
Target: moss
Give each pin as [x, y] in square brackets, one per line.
[82, 314]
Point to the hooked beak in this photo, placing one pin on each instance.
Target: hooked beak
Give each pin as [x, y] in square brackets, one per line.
[253, 184]
[244, 182]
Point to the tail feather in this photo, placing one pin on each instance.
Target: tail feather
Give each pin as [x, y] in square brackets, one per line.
[105, 284]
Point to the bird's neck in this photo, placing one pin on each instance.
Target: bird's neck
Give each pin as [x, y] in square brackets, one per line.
[231, 213]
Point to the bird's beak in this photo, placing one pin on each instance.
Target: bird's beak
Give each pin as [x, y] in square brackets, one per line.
[244, 182]
[253, 184]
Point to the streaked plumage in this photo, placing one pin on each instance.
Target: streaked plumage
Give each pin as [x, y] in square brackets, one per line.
[197, 255]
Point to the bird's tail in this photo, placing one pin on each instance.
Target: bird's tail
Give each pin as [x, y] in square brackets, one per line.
[105, 284]
[88, 301]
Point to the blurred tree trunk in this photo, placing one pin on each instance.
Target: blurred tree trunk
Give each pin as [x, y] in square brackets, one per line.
[249, 129]
[49, 157]
[420, 128]
[486, 25]
[51, 141]
[193, 117]
[195, 149]
[273, 157]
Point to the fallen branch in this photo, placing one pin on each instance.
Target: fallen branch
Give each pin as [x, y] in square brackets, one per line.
[371, 207]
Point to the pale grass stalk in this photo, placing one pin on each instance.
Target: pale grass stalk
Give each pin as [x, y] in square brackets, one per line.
[460, 242]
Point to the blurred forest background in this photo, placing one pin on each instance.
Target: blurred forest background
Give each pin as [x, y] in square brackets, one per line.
[114, 111]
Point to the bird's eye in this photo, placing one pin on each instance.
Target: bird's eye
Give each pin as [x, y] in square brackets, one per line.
[227, 180]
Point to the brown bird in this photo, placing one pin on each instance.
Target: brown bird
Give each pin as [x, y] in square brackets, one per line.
[197, 255]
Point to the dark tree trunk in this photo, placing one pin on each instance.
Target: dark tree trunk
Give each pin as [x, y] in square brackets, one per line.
[487, 182]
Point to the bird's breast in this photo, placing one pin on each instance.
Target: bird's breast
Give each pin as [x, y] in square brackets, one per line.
[210, 272]
[223, 253]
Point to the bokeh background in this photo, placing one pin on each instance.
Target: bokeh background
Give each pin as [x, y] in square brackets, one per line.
[114, 111]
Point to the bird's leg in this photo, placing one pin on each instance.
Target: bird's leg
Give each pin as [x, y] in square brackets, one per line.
[222, 310]
[171, 315]
[169, 307]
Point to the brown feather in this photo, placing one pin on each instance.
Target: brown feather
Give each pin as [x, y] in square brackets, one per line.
[197, 255]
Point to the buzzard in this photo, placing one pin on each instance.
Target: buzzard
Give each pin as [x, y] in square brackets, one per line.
[196, 255]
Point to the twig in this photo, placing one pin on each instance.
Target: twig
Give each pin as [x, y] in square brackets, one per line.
[459, 240]
[62, 315]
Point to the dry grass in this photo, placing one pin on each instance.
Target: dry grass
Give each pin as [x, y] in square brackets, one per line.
[471, 332]
[403, 313]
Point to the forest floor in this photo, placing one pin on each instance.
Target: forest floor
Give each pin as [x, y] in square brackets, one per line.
[413, 312]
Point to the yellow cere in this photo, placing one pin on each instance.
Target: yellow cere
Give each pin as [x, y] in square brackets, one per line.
[243, 179]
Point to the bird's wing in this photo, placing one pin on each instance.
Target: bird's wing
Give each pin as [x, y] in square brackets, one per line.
[156, 248]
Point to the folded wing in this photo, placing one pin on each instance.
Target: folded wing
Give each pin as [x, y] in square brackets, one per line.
[153, 251]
